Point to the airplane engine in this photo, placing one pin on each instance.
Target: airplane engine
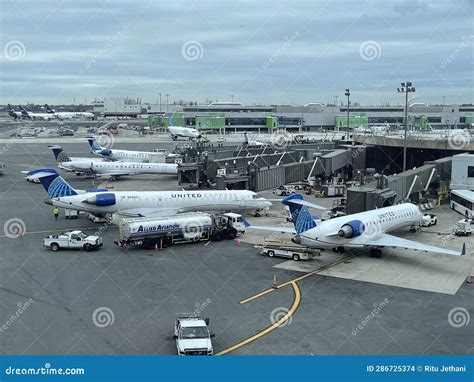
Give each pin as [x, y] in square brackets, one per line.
[296, 239]
[102, 199]
[106, 152]
[351, 229]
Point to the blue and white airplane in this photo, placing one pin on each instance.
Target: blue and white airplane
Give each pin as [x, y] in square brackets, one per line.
[15, 114]
[30, 115]
[101, 167]
[146, 203]
[367, 229]
[67, 163]
[185, 132]
[254, 141]
[124, 155]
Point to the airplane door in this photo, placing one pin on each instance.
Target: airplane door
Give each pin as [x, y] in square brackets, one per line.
[241, 200]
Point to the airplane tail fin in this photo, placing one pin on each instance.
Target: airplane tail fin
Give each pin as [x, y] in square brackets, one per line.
[300, 214]
[24, 113]
[11, 112]
[54, 184]
[48, 109]
[93, 144]
[59, 154]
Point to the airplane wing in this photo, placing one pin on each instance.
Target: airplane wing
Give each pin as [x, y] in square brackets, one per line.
[281, 229]
[386, 240]
[116, 174]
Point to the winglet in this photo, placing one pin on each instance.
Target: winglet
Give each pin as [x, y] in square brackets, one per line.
[246, 222]
[463, 252]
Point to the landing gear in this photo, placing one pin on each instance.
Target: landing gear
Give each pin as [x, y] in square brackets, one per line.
[375, 252]
[339, 249]
[257, 214]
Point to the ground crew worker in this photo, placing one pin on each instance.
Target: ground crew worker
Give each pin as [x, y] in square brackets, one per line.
[56, 212]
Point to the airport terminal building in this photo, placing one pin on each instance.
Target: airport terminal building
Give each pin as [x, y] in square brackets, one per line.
[236, 116]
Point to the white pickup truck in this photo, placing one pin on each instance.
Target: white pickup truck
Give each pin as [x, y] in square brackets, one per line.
[73, 240]
[192, 336]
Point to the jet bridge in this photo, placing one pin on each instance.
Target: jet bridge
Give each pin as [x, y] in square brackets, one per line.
[262, 167]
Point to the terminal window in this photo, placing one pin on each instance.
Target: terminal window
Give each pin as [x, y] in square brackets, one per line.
[470, 171]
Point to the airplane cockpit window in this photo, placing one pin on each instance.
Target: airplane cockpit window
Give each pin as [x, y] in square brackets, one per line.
[257, 196]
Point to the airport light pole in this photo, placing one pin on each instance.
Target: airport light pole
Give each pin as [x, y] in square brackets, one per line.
[160, 101]
[167, 103]
[347, 94]
[406, 88]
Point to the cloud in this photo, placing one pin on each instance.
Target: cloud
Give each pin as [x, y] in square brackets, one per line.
[263, 52]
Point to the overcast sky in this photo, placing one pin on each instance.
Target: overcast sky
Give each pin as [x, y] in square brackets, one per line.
[275, 52]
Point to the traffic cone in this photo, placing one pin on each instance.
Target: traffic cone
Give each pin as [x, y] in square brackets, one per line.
[156, 247]
[469, 278]
[274, 285]
[161, 244]
[238, 242]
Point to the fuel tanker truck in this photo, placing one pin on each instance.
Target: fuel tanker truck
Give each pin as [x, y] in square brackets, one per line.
[160, 232]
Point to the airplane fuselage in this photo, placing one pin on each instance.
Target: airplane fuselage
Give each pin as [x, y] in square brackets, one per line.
[183, 132]
[119, 168]
[369, 224]
[145, 203]
[124, 155]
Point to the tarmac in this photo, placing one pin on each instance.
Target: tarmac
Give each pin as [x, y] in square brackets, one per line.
[118, 301]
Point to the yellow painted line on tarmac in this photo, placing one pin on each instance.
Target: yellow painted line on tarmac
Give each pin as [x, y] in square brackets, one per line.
[272, 327]
[318, 270]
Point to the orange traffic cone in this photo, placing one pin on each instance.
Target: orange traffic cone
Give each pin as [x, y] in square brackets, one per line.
[238, 242]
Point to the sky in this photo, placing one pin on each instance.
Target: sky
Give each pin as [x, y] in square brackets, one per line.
[254, 52]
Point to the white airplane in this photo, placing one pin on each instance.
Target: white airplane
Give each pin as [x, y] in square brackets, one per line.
[30, 115]
[362, 230]
[185, 132]
[276, 139]
[146, 203]
[68, 114]
[13, 113]
[254, 141]
[63, 160]
[99, 167]
[124, 155]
